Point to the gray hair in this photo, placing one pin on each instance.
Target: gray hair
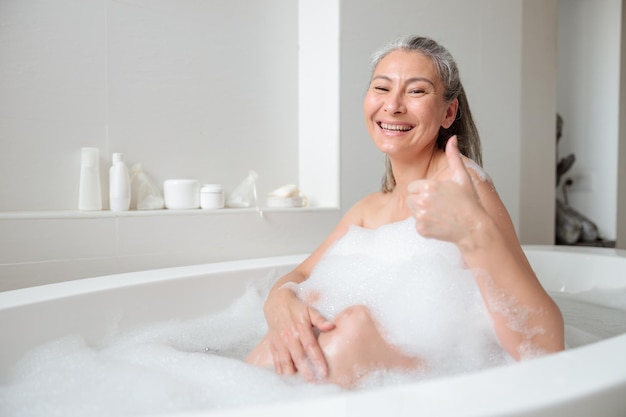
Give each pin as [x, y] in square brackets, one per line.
[445, 66]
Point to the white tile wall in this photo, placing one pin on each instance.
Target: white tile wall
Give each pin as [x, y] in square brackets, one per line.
[204, 90]
[36, 240]
[60, 248]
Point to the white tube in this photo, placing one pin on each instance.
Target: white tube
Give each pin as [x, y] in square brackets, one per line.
[119, 184]
[89, 192]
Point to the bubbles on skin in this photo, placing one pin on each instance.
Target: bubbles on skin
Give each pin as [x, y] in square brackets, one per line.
[516, 315]
[481, 173]
[482, 176]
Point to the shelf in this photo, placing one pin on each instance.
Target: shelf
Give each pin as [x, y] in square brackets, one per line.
[76, 214]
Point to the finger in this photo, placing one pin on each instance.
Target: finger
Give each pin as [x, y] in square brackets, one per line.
[282, 360]
[293, 351]
[456, 163]
[312, 364]
[311, 344]
[319, 321]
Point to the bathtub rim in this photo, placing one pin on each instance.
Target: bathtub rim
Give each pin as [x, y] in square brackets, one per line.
[19, 296]
[57, 290]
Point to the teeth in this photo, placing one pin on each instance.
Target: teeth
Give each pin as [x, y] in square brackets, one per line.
[399, 128]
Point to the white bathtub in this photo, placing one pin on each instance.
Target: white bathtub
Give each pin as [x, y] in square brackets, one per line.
[585, 381]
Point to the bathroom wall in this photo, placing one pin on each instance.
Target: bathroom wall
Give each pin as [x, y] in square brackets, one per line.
[512, 103]
[621, 169]
[204, 90]
[189, 89]
[209, 90]
[588, 100]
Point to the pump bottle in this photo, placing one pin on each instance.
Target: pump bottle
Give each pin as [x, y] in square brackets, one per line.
[119, 184]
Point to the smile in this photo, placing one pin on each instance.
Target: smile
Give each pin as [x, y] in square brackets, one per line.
[395, 128]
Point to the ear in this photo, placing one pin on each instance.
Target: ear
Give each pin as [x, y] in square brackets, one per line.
[450, 115]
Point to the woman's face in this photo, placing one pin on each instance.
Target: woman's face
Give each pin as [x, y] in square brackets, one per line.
[404, 106]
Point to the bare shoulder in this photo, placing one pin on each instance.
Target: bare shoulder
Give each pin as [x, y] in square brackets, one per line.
[355, 216]
[482, 181]
[490, 199]
[361, 211]
[477, 173]
[372, 201]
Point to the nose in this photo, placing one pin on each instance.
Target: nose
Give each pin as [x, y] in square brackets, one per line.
[395, 103]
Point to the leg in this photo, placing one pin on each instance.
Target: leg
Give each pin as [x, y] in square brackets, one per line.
[356, 347]
[261, 355]
[353, 348]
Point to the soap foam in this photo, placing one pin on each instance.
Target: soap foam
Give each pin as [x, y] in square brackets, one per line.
[418, 290]
[162, 368]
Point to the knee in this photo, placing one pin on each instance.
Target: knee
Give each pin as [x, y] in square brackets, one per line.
[355, 322]
[357, 315]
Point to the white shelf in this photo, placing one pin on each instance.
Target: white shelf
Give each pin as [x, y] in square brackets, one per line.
[76, 214]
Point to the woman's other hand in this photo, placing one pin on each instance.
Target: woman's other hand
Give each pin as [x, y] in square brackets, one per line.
[291, 335]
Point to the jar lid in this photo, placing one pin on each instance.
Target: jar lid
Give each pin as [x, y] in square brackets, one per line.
[211, 188]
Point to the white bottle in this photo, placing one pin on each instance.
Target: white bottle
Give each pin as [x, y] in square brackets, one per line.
[89, 191]
[119, 184]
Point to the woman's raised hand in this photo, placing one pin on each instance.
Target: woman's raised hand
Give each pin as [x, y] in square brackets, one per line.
[446, 207]
[291, 336]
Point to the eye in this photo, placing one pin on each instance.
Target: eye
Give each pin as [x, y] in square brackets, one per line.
[381, 88]
[417, 91]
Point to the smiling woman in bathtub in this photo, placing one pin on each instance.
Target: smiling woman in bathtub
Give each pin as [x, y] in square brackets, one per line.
[378, 291]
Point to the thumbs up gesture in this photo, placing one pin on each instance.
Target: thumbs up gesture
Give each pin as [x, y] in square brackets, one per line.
[446, 207]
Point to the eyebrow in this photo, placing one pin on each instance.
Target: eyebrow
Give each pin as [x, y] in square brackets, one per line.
[410, 80]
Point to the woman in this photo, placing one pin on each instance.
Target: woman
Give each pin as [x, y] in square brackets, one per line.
[416, 112]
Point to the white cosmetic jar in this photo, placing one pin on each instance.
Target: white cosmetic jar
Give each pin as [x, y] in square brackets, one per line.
[181, 194]
[211, 196]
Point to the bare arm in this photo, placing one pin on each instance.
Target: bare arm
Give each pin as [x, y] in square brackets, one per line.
[526, 319]
[469, 213]
[291, 322]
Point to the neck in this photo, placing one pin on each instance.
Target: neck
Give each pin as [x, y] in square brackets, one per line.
[407, 170]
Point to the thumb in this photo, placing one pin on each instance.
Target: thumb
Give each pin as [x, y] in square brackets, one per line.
[455, 162]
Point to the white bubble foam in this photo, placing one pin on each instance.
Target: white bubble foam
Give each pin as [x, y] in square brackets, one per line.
[161, 368]
[481, 173]
[418, 290]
